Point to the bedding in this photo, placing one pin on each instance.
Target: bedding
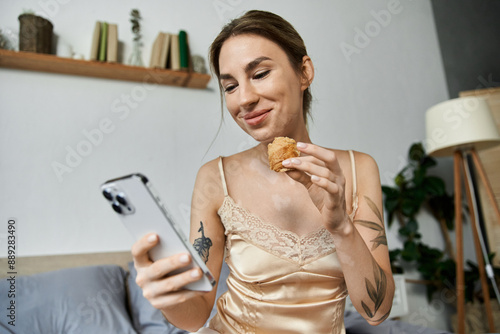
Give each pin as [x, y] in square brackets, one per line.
[78, 300]
[105, 299]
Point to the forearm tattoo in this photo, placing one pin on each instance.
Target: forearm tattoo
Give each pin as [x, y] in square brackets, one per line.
[376, 292]
[378, 289]
[202, 244]
[381, 238]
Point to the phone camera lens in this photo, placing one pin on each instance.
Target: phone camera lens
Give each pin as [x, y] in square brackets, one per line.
[107, 193]
[121, 198]
[117, 207]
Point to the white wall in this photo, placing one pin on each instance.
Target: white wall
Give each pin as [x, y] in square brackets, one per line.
[372, 100]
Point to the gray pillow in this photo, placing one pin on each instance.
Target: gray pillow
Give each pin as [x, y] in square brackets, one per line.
[70, 301]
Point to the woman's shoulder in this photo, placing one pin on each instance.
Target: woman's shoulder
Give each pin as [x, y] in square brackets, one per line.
[364, 163]
[363, 159]
[240, 158]
[367, 171]
[209, 186]
[209, 172]
[215, 165]
[360, 158]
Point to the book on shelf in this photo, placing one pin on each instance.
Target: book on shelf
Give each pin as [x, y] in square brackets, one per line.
[112, 43]
[165, 50]
[175, 61]
[183, 50]
[160, 51]
[171, 51]
[104, 45]
[103, 41]
[96, 39]
[155, 51]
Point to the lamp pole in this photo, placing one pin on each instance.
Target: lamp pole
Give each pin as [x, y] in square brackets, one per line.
[461, 167]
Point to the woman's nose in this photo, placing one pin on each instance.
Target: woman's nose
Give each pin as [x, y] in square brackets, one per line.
[248, 96]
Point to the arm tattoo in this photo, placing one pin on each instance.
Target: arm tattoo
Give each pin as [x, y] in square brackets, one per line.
[203, 244]
[374, 208]
[381, 238]
[376, 292]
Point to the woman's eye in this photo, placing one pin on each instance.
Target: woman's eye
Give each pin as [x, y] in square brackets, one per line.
[261, 75]
[229, 88]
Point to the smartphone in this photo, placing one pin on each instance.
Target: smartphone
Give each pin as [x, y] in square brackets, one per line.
[140, 209]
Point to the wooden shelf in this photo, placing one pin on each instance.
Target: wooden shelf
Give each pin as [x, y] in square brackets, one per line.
[53, 64]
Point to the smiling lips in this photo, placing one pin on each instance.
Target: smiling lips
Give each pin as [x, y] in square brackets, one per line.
[256, 117]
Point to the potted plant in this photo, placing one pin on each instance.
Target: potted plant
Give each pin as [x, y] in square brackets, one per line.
[415, 190]
[35, 33]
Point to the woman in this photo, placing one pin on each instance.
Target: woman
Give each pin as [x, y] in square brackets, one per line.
[295, 242]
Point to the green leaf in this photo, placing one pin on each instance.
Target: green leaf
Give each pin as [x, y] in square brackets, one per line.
[410, 228]
[409, 252]
[419, 176]
[429, 253]
[412, 225]
[416, 152]
[391, 204]
[394, 254]
[428, 162]
[431, 289]
[389, 192]
[400, 180]
[418, 195]
[390, 218]
[434, 186]
[394, 257]
[408, 207]
[403, 231]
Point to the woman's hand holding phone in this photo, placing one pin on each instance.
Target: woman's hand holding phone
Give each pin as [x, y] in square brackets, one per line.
[160, 289]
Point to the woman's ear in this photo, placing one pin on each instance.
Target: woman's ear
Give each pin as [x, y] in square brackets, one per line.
[307, 72]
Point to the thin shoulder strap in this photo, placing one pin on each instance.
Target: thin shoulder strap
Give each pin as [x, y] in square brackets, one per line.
[354, 185]
[222, 177]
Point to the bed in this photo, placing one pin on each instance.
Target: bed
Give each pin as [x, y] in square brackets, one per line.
[97, 293]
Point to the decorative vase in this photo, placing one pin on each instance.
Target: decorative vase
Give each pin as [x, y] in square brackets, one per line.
[135, 58]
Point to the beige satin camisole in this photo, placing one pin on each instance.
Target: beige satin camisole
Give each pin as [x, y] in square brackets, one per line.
[279, 282]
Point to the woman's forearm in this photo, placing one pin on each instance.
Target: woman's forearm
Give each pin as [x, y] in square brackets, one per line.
[190, 315]
[370, 287]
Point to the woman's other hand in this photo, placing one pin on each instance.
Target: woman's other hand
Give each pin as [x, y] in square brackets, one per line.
[319, 171]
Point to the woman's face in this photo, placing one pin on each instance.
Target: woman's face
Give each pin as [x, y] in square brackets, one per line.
[263, 92]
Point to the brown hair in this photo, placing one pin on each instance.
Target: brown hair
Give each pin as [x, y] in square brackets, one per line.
[275, 29]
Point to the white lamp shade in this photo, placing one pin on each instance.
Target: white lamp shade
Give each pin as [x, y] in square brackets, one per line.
[464, 122]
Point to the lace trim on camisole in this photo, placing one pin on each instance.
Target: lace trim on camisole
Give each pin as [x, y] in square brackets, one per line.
[282, 243]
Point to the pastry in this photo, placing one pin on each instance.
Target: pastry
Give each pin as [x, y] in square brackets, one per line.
[280, 149]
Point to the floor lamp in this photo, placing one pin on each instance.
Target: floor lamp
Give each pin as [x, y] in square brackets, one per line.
[459, 128]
